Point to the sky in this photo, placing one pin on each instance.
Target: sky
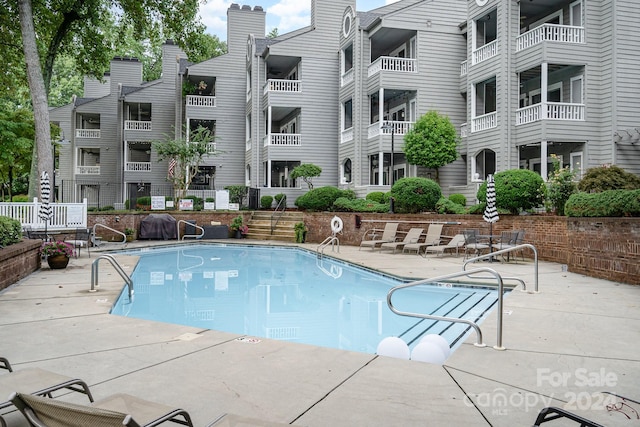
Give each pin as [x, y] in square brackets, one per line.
[285, 15]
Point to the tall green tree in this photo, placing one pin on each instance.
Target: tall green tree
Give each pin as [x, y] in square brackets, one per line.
[90, 30]
[184, 157]
[306, 171]
[16, 140]
[431, 142]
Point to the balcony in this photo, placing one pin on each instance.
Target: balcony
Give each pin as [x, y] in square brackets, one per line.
[484, 122]
[283, 139]
[138, 166]
[393, 64]
[282, 85]
[347, 135]
[463, 68]
[550, 33]
[200, 101]
[88, 170]
[464, 130]
[485, 52]
[346, 78]
[550, 111]
[388, 127]
[137, 125]
[88, 133]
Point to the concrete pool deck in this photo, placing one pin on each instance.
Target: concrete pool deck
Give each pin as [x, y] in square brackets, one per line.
[577, 337]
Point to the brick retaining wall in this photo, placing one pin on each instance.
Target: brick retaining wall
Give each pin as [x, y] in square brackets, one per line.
[607, 248]
[18, 261]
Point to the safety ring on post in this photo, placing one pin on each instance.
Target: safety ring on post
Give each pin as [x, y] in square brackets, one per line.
[336, 224]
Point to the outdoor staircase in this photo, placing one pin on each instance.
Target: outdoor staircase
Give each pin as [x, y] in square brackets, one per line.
[260, 226]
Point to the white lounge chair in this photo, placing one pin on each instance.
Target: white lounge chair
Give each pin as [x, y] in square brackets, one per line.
[455, 243]
[375, 237]
[434, 233]
[412, 236]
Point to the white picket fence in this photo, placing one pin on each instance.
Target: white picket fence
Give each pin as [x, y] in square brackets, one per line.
[64, 216]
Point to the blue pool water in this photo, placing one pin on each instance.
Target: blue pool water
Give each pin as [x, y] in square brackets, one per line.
[289, 294]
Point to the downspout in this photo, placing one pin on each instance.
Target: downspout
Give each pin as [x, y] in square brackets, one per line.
[358, 93]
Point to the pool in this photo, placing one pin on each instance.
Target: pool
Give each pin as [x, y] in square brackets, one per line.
[290, 294]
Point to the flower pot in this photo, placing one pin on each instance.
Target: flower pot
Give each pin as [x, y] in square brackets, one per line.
[57, 261]
[238, 234]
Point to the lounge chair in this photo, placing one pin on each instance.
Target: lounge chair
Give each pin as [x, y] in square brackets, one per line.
[115, 411]
[434, 234]
[82, 240]
[35, 381]
[375, 237]
[472, 243]
[412, 236]
[455, 243]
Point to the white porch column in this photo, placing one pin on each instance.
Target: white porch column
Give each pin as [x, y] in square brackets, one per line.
[380, 109]
[380, 168]
[269, 172]
[544, 83]
[269, 134]
[543, 160]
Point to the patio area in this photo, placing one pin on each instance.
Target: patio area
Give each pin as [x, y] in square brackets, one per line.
[576, 338]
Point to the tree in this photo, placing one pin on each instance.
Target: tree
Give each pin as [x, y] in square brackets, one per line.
[431, 142]
[273, 33]
[16, 140]
[184, 157]
[306, 171]
[90, 30]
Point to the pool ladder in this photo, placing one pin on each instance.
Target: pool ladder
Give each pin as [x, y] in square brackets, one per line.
[331, 240]
[117, 267]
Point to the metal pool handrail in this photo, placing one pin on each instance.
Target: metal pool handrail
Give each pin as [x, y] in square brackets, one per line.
[190, 236]
[124, 236]
[474, 325]
[513, 249]
[331, 240]
[116, 266]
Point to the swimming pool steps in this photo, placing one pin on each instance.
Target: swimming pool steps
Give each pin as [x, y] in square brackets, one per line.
[462, 305]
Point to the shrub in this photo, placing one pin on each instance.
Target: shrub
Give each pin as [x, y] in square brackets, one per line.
[448, 206]
[319, 199]
[344, 204]
[516, 189]
[21, 198]
[210, 200]
[266, 202]
[413, 195]
[610, 203]
[106, 208]
[378, 196]
[10, 231]
[608, 178]
[198, 203]
[459, 199]
[57, 248]
[560, 186]
[280, 196]
[237, 193]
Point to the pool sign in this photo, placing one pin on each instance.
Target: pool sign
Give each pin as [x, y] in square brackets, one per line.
[186, 204]
[157, 203]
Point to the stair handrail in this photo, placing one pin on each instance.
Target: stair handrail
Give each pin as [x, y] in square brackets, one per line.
[331, 240]
[277, 213]
[93, 233]
[504, 251]
[190, 236]
[117, 267]
[474, 325]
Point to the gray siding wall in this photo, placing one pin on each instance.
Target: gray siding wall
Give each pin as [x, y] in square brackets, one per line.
[94, 88]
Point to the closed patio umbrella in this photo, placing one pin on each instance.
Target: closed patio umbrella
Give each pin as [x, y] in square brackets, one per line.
[45, 211]
[490, 211]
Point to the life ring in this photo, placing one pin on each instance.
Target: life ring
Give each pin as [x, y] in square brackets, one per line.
[336, 224]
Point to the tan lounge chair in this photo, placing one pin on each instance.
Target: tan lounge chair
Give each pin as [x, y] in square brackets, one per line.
[412, 236]
[115, 411]
[455, 243]
[375, 237]
[434, 233]
[35, 381]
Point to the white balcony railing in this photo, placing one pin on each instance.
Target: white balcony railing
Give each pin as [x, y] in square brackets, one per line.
[464, 130]
[463, 68]
[283, 139]
[137, 125]
[387, 127]
[87, 133]
[389, 63]
[88, 170]
[211, 148]
[485, 52]
[550, 33]
[347, 77]
[550, 111]
[484, 122]
[248, 144]
[347, 135]
[280, 85]
[138, 166]
[201, 101]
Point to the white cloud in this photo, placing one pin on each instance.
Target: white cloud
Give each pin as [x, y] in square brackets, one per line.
[214, 17]
[288, 15]
[391, 1]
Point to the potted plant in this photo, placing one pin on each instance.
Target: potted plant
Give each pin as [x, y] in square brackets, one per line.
[237, 227]
[130, 233]
[57, 253]
[301, 231]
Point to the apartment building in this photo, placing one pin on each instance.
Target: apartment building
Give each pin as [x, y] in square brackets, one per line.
[521, 80]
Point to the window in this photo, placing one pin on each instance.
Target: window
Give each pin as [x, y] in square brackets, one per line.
[575, 14]
[347, 118]
[346, 25]
[346, 171]
[576, 90]
[247, 176]
[576, 165]
[483, 165]
[347, 59]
